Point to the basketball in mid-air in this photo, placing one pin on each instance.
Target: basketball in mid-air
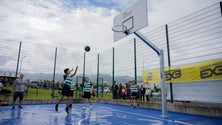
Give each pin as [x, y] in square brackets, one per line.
[87, 48]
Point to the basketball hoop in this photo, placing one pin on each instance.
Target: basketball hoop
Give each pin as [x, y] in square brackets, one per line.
[120, 28]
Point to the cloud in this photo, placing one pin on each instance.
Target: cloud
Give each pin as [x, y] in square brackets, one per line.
[79, 23]
[56, 23]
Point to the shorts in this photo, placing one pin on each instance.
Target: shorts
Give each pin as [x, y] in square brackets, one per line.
[134, 95]
[71, 93]
[66, 90]
[87, 95]
[18, 94]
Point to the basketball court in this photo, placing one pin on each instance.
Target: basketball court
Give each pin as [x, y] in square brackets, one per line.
[100, 114]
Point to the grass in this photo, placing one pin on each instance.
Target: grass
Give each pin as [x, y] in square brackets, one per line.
[34, 93]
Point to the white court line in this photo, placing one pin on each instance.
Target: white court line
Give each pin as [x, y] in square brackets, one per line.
[157, 118]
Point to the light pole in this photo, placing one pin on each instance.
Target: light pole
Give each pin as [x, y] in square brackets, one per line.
[20, 68]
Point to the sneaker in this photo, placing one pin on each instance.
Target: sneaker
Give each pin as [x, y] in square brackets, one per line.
[67, 110]
[91, 106]
[13, 107]
[20, 107]
[56, 107]
[84, 108]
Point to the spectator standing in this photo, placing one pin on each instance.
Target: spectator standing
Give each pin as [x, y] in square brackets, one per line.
[18, 89]
[147, 94]
[128, 91]
[124, 92]
[120, 91]
[138, 92]
[115, 91]
[143, 90]
[79, 90]
[134, 93]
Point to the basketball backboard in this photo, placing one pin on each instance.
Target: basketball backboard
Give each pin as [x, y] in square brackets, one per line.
[132, 19]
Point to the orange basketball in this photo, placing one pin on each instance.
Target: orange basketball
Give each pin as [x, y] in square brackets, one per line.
[87, 48]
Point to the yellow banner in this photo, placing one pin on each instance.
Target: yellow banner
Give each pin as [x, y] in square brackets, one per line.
[209, 70]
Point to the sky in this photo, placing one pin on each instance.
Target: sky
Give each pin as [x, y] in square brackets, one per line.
[77, 23]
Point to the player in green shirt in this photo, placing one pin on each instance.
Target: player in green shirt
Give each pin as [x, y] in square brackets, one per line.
[88, 88]
[67, 89]
[134, 93]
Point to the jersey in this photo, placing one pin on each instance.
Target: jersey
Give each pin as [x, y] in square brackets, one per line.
[87, 86]
[19, 85]
[133, 88]
[68, 81]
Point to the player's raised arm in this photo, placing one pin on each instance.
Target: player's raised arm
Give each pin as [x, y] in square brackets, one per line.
[75, 71]
[69, 71]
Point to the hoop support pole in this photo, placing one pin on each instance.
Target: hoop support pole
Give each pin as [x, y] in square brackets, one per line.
[160, 53]
[146, 41]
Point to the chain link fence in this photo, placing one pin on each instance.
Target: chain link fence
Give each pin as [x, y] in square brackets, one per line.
[194, 38]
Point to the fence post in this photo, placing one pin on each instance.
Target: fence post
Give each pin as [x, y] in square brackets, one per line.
[53, 80]
[97, 80]
[16, 72]
[113, 71]
[135, 67]
[102, 87]
[169, 62]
